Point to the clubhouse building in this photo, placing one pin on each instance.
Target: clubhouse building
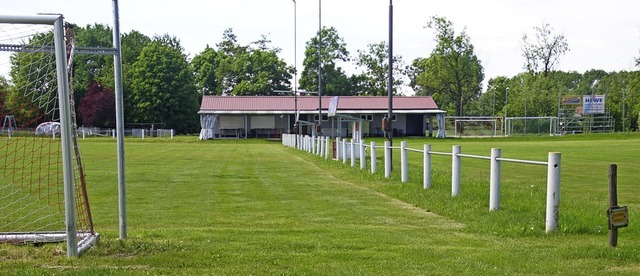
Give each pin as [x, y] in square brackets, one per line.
[271, 116]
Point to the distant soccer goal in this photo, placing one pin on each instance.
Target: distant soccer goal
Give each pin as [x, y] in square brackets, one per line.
[43, 195]
[519, 126]
[473, 126]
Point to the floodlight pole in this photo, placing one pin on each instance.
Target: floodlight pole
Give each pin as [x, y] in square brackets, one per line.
[390, 82]
[319, 130]
[117, 65]
[295, 64]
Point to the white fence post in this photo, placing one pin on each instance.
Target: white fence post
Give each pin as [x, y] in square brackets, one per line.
[327, 147]
[553, 192]
[320, 144]
[387, 159]
[363, 154]
[352, 149]
[311, 147]
[455, 171]
[305, 143]
[344, 150]
[494, 184]
[404, 160]
[373, 157]
[426, 173]
[172, 133]
[300, 142]
[143, 134]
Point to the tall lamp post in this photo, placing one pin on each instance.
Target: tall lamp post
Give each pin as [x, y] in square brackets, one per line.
[295, 64]
[390, 81]
[319, 127]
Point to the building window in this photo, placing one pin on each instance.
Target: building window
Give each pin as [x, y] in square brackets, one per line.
[393, 117]
[366, 117]
[324, 118]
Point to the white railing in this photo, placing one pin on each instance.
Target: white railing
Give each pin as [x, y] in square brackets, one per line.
[322, 143]
[135, 132]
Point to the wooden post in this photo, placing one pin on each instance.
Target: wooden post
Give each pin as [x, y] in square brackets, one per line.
[613, 202]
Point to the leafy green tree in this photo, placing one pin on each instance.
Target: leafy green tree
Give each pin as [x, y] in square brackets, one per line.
[375, 64]
[4, 91]
[163, 86]
[88, 69]
[334, 50]
[543, 54]
[493, 101]
[235, 69]
[264, 73]
[452, 73]
[132, 45]
[206, 65]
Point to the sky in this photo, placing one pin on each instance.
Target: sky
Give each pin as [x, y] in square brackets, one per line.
[601, 34]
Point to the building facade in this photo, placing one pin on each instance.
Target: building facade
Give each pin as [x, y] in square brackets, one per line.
[271, 116]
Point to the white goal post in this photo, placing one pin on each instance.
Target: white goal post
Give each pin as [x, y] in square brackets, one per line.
[43, 194]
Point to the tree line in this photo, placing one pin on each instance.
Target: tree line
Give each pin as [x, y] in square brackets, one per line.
[164, 85]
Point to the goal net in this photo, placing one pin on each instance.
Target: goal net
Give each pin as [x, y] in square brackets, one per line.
[519, 126]
[473, 126]
[43, 196]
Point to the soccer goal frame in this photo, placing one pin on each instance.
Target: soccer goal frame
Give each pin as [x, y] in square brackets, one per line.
[510, 126]
[77, 241]
[476, 126]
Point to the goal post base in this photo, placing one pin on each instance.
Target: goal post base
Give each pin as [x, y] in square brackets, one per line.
[85, 239]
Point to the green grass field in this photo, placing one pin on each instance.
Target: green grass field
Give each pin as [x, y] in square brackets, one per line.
[257, 207]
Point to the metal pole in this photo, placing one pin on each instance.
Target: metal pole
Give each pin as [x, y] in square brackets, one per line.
[455, 171]
[613, 202]
[553, 192]
[387, 159]
[494, 184]
[319, 66]
[390, 84]
[65, 135]
[426, 173]
[404, 160]
[363, 158]
[326, 147]
[352, 148]
[506, 108]
[117, 65]
[373, 157]
[493, 110]
[525, 111]
[624, 107]
[295, 63]
[344, 150]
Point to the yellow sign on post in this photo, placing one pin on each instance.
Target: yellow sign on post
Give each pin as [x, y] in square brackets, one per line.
[618, 216]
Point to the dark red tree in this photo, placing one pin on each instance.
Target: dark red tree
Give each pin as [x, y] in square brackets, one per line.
[97, 108]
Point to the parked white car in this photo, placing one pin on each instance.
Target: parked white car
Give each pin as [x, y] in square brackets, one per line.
[48, 128]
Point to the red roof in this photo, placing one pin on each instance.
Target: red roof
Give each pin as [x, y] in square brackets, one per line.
[286, 104]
